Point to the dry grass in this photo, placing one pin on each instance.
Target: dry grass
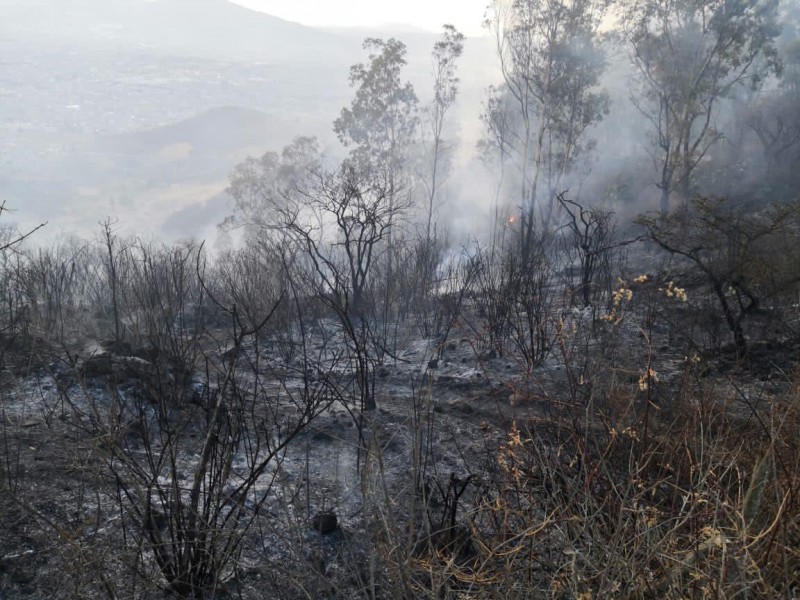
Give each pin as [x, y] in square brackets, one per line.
[634, 490]
[704, 506]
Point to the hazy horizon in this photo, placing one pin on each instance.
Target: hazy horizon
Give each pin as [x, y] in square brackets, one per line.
[139, 110]
[466, 15]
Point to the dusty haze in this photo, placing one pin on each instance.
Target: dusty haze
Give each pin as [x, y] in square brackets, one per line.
[139, 111]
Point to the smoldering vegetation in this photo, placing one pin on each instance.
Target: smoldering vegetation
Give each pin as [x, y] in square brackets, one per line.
[561, 363]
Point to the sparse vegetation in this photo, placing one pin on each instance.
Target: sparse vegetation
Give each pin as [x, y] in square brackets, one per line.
[349, 402]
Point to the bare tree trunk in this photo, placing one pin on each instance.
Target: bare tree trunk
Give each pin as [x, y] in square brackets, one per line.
[664, 201]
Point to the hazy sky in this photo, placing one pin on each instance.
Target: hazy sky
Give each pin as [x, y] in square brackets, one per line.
[466, 15]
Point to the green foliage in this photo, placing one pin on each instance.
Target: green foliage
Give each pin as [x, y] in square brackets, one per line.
[551, 62]
[445, 55]
[261, 186]
[379, 124]
[690, 54]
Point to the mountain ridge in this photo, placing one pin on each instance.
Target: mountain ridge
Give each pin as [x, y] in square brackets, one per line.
[213, 28]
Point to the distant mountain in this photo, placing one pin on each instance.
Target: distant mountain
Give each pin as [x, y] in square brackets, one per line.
[222, 131]
[389, 29]
[198, 150]
[213, 28]
[141, 108]
[198, 220]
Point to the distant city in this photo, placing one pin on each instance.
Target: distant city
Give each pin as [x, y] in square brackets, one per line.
[108, 109]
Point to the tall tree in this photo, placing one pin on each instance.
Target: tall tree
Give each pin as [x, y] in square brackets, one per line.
[261, 187]
[444, 57]
[689, 55]
[379, 128]
[494, 149]
[775, 120]
[551, 62]
[340, 224]
[381, 121]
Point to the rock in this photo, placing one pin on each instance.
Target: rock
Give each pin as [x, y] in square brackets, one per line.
[464, 408]
[325, 522]
[159, 520]
[433, 363]
[201, 394]
[98, 365]
[113, 346]
[230, 353]
[21, 577]
[322, 436]
[121, 368]
[133, 367]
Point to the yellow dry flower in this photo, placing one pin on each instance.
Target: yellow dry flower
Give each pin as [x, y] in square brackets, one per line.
[673, 291]
[652, 516]
[713, 537]
[630, 432]
[641, 279]
[514, 438]
[621, 294]
[646, 378]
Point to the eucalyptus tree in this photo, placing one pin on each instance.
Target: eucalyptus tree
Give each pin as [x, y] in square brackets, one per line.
[494, 150]
[551, 61]
[261, 186]
[433, 162]
[689, 55]
[775, 120]
[380, 128]
[775, 116]
[438, 151]
[381, 122]
[341, 223]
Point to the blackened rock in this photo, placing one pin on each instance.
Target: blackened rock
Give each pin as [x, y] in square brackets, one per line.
[98, 365]
[113, 346]
[325, 522]
[133, 367]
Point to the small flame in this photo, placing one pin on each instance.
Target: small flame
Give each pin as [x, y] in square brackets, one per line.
[512, 219]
